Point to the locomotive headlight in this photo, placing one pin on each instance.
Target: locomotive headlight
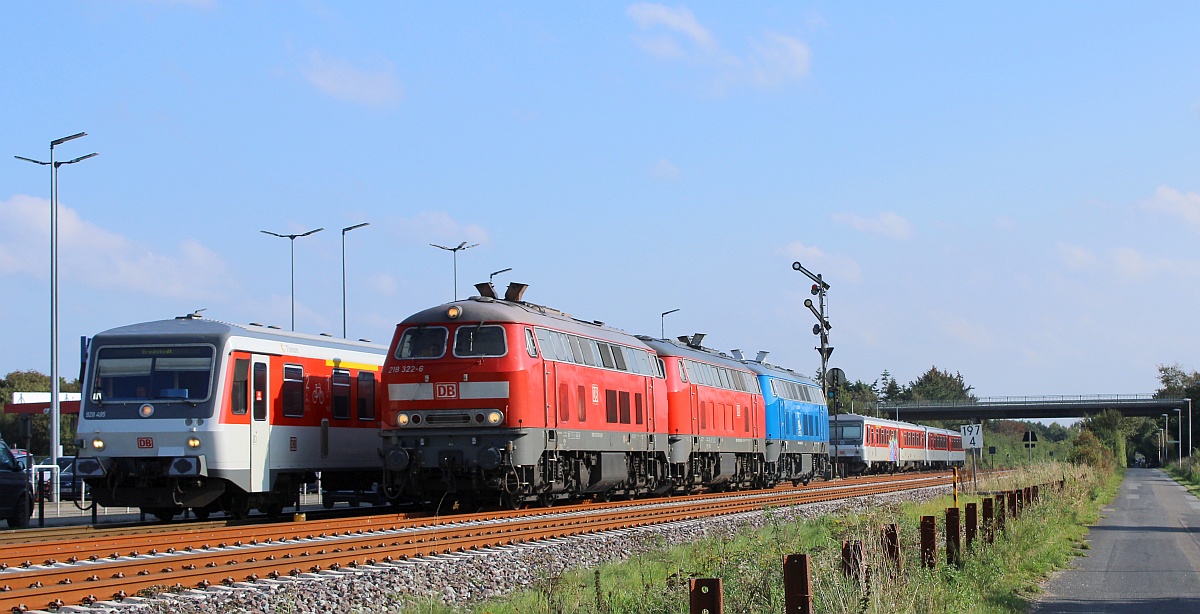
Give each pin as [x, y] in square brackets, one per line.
[146, 410]
[98, 444]
[453, 312]
[494, 417]
[401, 419]
[193, 442]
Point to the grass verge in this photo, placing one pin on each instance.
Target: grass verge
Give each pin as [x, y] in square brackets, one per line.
[999, 577]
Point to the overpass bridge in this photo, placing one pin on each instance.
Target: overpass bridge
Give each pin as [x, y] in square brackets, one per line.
[994, 408]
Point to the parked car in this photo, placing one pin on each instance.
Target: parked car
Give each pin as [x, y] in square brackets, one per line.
[69, 487]
[16, 493]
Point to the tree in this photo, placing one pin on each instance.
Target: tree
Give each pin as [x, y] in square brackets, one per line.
[937, 385]
[34, 381]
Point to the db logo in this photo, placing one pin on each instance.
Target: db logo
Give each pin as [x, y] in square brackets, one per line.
[293, 444]
[145, 442]
[445, 391]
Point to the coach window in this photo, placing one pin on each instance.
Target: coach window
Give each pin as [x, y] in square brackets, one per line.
[478, 340]
[241, 379]
[530, 346]
[293, 391]
[260, 391]
[562, 346]
[341, 394]
[422, 342]
[366, 395]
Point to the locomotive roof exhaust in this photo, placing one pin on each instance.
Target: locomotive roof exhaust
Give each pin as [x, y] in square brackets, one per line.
[486, 289]
[515, 291]
[737, 354]
[761, 356]
[693, 341]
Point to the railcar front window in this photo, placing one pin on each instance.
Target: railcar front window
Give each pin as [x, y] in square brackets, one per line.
[849, 432]
[422, 343]
[138, 374]
[472, 341]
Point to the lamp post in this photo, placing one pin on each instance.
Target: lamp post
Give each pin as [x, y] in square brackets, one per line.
[55, 406]
[455, 250]
[1179, 428]
[662, 321]
[293, 238]
[344, 231]
[1165, 458]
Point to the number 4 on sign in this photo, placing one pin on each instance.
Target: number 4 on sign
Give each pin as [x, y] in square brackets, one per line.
[972, 435]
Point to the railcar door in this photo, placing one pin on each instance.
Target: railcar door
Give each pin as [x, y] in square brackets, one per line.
[260, 424]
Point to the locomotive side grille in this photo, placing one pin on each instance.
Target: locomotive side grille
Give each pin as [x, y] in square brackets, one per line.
[447, 418]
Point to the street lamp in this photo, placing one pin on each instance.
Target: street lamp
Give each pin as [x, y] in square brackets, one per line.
[1179, 428]
[663, 322]
[344, 231]
[1166, 451]
[292, 238]
[455, 250]
[55, 406]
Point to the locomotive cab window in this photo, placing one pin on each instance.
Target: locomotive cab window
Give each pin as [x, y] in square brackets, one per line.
[135, 374]
[238, 396]
[422, 342]
[473, 341]
[530, 345]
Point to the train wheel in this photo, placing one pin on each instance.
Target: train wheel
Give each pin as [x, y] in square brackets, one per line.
[201, 513]
[546, 500]
[274, 509]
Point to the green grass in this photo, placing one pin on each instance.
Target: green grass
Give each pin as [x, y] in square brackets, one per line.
[997, 578]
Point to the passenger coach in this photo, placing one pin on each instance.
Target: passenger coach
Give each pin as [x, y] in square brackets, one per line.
[863, 444]
[210, 416]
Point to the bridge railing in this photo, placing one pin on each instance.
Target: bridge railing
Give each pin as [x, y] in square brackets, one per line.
[1089, 399]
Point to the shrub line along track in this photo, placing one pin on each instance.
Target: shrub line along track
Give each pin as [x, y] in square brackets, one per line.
[36, 578]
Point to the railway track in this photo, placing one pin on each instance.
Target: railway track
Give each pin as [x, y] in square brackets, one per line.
[105, 565]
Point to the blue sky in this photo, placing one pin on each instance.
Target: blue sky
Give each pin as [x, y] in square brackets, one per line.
[1010, 191]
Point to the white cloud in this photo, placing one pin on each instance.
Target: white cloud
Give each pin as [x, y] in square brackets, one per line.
[1132, 264]
[778, 59]
[435, 226]
[95, 257]
[1076, 258]
[664, 170]
[675, 34]
[829, 266]
[1173, 202]
[887, 224]
[680, 20]
[344, 81]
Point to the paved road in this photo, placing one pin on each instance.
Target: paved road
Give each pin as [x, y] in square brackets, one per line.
[1144, 556]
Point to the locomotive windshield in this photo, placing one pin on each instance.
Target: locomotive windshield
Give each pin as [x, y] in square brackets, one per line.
[850, 432]
[478, 340]
[422, 342]
[135, 374]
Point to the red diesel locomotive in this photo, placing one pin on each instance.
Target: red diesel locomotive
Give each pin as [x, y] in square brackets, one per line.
[491, 397]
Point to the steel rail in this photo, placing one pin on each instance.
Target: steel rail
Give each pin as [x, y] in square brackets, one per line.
[116, 578]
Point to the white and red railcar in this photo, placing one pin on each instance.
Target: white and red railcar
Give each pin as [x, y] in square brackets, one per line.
[863, 444]
[204, 415]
